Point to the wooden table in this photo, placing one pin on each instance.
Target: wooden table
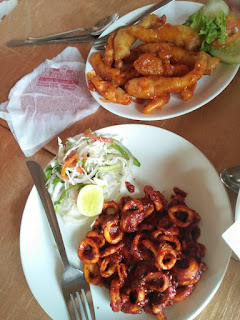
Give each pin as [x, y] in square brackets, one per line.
[214, 129]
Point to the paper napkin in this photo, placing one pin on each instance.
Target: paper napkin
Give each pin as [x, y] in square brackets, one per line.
[48, 100]
[232, 234]
[6, 6]
[232, 237]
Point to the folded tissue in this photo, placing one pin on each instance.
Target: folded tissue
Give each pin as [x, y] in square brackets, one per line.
[47, 101]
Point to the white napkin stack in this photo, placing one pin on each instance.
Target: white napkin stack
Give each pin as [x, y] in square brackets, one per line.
[232, 237]
[232, 234]
[6, 6]
[48, 100]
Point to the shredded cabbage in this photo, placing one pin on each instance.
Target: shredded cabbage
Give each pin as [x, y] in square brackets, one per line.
[104, 163]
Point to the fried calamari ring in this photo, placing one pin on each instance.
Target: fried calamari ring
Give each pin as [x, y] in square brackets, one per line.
[165, 299]
[182, 293]
[140, 247]
[138, 294]
[88, 251]
[181, 215]
[108, 267]
[110, 92]
[132, 308]
[174, 242]
[150, 87]
[150, 245]
[91, 273]
[156, 197]
[166, 257]
[157, 281]
[98, 238]
[111, 250]
[110, 207]
[188, 272]
[115, 303]
[123, 200]
[122, 273]
[172, 231]
[191, 281]
[112, 232]
[180, 35]
[132, 215]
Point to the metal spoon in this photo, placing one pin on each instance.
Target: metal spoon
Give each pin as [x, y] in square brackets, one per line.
[95, 30]
[231, 178]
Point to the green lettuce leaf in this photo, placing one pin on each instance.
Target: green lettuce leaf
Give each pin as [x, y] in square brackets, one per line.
[209, 29]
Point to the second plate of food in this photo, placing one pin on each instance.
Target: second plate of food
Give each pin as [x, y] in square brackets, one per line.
[167, 161]
[208, 87]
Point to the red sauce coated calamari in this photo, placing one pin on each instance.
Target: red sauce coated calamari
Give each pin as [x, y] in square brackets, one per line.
[146, 251]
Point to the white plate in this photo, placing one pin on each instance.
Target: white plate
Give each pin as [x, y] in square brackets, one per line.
[167, 160]
[207, 88]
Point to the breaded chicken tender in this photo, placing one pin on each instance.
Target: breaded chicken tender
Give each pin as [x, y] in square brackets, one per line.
[124, 40]
[109, 91]
[151, 87]
[180, 55]
[150, 64]
[181, 36]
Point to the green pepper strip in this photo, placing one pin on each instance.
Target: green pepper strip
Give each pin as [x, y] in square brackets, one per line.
[124, 153]
[108, 168]
[63, 195]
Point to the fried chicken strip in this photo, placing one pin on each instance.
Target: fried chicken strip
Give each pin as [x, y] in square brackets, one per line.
[151, 87]
[124, 40]
[156, 103]
[109, 50]
[106, 72]
[150, 64]
[110, 92]
[187, 93]
[181, 36]
[180, 55]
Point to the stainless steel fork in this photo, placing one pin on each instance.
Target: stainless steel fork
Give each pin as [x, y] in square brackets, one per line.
[76, 290]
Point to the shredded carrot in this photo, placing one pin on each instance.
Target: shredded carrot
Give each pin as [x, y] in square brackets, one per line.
[96, 138]
[63, 175]
[80, 169]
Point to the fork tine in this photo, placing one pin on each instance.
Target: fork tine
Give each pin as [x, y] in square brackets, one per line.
[88, 296]
[100, 43]
[80, 306]
[78, 312]
[85, 303]
[70, 307]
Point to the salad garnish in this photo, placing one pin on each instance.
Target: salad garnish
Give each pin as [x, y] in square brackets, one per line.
[220, 32]
[87, 159]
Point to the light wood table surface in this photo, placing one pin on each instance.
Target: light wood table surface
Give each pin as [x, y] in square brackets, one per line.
[214, 129]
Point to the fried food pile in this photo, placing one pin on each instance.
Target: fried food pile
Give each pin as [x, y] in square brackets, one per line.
[167, 61]
[145, 251]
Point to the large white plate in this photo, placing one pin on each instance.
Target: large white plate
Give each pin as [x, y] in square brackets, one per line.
[208, 87]
[167, 160]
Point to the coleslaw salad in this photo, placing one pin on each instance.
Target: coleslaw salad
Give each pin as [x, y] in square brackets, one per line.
[87, 159]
